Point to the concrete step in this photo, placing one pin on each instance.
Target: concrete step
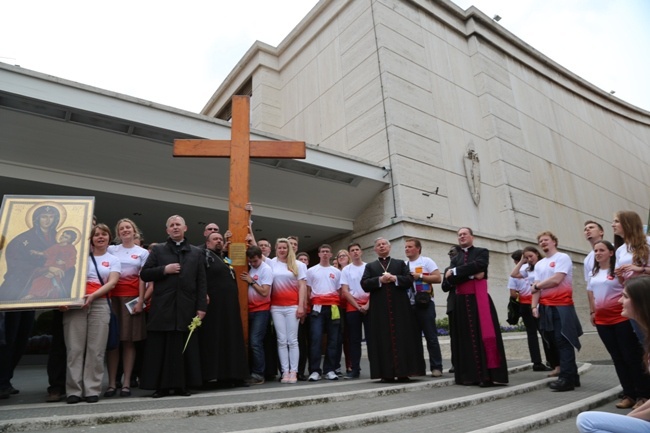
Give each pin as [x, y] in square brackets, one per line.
[327, 406]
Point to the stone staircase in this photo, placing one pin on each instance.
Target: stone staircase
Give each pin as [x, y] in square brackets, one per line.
[425, 404]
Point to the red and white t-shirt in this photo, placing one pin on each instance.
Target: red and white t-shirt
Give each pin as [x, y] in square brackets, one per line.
[105, 264]
[625, 257]
[351, 276]
[562, 294]
[131, 260]
[262, 276]
[607, 291]
[325, 282]
[286, 290]
[522, 287]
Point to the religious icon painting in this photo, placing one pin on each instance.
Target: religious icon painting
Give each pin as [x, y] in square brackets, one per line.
[44, 251]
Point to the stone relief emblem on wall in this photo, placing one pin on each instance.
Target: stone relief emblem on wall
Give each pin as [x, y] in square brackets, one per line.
[473, 172]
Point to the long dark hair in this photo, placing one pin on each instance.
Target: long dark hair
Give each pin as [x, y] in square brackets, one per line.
[535, 251]
[638, 291]
[612, 258]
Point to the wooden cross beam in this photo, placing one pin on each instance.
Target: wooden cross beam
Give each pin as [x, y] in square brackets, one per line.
[239, 149]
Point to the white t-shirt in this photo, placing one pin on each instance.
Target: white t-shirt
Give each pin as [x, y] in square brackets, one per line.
[324, 281]
[285, 290]
[562, 294]
[428, 267]
[351, 276]
[589, 265]
[105, 264]
[262, 276]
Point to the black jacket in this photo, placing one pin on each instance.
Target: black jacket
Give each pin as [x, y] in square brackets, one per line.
[176, 297]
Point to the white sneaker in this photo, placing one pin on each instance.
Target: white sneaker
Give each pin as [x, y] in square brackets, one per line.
[436, 373]
[331, 376]
[314, 377]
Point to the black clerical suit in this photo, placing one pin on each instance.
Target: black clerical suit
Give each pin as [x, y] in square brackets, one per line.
[475, 334]
[393, 349]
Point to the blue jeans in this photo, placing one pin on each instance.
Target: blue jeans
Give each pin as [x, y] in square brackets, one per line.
[426, 324]
[354, 321]
[566, 352]
[257, 323]
[605, 422]
[321, 322]
[626, 352]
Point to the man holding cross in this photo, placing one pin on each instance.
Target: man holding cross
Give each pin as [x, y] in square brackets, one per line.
[239, 149]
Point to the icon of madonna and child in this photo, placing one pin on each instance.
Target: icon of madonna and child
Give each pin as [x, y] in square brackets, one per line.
[42, 264]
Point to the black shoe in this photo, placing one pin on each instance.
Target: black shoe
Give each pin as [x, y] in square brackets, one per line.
[160, 393]
[182, 392]
[452, 370]
[576, 381]
[73, 399]
[54, 397]
[486, 384]
[562, 385]
[12, 390]
[403, 379]
[110, 392]
[92, 399]
[540, 367]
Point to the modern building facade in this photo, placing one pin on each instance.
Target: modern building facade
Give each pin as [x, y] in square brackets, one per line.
[475, 127]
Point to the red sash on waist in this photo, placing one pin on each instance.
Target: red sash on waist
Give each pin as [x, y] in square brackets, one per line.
[479, 289]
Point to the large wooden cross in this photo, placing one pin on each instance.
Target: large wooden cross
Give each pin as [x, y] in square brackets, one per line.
[239, 149]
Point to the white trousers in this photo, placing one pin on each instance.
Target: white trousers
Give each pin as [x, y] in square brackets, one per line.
[605, 422]
[286, 328]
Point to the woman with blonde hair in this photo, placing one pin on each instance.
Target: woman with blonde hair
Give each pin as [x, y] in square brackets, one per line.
[632, 251]
[288, 302]
[128, 290]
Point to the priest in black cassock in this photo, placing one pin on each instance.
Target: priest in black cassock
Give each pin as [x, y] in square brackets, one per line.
[479, 356]
[178, 273]
[394, 351]
[221, 336]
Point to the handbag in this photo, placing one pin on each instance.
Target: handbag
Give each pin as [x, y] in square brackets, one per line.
[113, 340]
[422, 299]
[514, 312]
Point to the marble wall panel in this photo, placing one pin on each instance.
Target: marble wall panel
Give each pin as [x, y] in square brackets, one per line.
[356, 104]
[351, 31]
[416, 146]
[364, 48]
[395, 64]
[365, 74]
[393, 18]
[410, 118]
[329, 67]
[437, 57]
[366, 136]
[333, 115]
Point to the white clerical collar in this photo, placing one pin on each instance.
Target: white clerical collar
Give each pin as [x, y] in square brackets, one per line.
[466, 249]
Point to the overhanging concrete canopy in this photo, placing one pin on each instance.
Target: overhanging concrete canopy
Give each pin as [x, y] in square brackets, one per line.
[63, 138]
